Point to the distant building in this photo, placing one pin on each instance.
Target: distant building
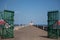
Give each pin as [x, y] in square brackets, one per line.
[31, 23]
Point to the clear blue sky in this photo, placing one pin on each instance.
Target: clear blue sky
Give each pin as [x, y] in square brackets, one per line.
[27, 10]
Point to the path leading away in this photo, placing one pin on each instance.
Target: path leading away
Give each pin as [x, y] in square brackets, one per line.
[30, 33]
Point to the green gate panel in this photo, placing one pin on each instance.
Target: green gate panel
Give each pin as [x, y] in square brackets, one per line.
[7, 33]
[53, 33]
[53, 15]
[8, 17]
[53, 27]
[51, 22]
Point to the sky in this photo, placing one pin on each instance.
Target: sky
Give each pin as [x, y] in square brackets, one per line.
[30, 10]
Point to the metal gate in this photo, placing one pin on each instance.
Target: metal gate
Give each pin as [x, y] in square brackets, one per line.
[7, 28]
[53, 24]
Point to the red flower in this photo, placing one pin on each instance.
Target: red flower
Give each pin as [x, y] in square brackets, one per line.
[58, 22]
[2, 22]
